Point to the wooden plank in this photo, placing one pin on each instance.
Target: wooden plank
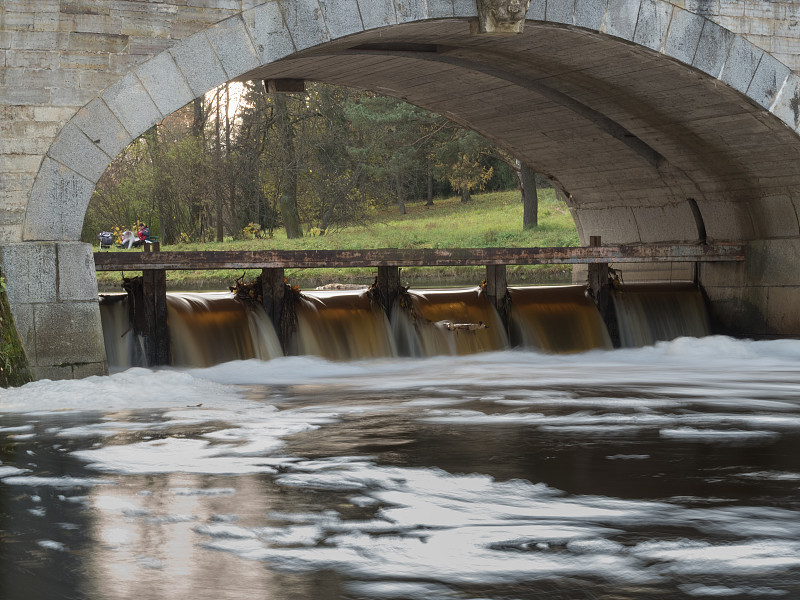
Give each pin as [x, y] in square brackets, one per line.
[279, 259]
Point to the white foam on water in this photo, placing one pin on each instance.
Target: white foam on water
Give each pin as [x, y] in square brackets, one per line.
[52, 545]
[713, 436]
[721, 591]
[472, 529]
[170, 455]
[56, 482]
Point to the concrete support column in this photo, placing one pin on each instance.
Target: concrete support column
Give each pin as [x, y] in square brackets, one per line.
[497, 292]
[273, 290]
[52, 291]
[389, 285]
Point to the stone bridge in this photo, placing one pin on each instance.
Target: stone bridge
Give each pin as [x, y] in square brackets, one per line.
[661, 122]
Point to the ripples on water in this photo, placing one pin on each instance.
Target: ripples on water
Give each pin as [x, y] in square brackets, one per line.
[662, 472]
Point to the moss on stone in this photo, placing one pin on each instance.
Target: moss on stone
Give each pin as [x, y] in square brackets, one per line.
[14, 367]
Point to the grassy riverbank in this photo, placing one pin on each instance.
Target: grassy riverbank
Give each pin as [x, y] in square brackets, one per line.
[490, 220]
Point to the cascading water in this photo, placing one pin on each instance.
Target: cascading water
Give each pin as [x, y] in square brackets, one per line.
[207, 329]
[450, 322]
[341, 326]
[560, 319]
[649, 314]
[211, 328]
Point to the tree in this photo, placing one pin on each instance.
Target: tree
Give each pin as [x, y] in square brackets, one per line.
[288, 168]
[530, 199]
[459, 161]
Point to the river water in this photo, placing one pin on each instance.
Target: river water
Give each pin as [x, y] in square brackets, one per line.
[664, 472]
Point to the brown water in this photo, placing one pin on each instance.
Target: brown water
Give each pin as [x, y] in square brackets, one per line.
[213, 328]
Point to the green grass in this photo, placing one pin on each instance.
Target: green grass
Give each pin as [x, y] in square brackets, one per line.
[490, 220]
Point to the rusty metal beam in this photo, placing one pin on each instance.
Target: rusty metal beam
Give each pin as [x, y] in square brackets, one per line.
[282, 259]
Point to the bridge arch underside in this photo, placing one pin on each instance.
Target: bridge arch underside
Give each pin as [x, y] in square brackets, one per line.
[693, 141]
[645, 148]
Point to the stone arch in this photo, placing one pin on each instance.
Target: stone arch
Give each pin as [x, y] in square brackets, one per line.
[272, 31]
[300, 38]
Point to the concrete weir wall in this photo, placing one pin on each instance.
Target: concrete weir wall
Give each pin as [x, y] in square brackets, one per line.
[661, 122]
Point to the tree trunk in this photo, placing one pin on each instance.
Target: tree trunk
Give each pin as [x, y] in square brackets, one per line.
[217, 183]
[530, 199]
[465, 195]
[288, 184]
[401, 204]
[430, 182]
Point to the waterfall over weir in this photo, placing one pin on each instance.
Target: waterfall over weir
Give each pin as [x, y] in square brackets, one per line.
[211, 328]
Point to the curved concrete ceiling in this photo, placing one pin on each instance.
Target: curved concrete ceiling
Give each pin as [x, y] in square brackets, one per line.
[636, 139]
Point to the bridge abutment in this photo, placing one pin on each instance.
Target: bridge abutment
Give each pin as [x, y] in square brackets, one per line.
[53, 296]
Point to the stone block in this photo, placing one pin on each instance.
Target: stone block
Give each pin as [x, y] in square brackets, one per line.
[58, 204]
[86, 7]
[101, 126]
[38, 40]
[76, 273]
[739, 311]
[68, 329]
[153, 25]
[11, 233]
[537, 10]
[32, 59]
[164, 82]
[739, 69]
[19, 163]
[440, 9]
[787, 104]
[72, 97]
[712, 51]
[149, 46]
[305, 22]
[233, 47]
[82, 370]
[377, 13]
[722, 274]
[615, 225]
[89, 23]
[560, 11]
[132, 105]
[411, 10]
[767, 81]
[341, 17]
[683, 35]
[199, 64]
[774, 217]
[651, 27]
[102, 43]
[14, 95]
[590, 13]
[727, 221]
[74, 150]
[465, 8]
[782, 313]
[83, 60]
[31, 272]
[621, 18]
[121, 64]
[266, 27]
[669, 223]
[773, 262]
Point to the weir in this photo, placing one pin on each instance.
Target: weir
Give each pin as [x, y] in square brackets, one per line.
[212, 328]
[393, 320]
